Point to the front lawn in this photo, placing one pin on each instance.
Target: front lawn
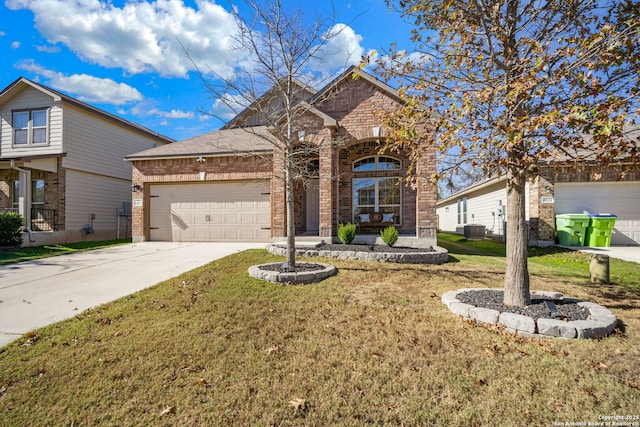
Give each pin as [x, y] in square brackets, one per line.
[13, 255]
[371, 346]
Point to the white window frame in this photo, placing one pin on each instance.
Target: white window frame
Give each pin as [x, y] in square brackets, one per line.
[31, 127]
[461, 205]
[377, 206]
[376, 163]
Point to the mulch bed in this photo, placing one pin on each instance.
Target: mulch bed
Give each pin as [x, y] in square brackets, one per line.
[492, 299]
[370, 248]
[282, 267]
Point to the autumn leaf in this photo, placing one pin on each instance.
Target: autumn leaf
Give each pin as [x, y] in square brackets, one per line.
[298, 404]
[168, 410]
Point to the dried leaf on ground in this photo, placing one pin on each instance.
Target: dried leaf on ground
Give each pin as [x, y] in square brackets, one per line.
[168, 410]
[298, 404]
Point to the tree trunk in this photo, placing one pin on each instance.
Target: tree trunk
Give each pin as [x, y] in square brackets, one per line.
[516, 281]
[291, 226]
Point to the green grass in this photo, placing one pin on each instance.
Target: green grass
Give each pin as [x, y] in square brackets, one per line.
[371, 346]
[13, 255]
[550, 262]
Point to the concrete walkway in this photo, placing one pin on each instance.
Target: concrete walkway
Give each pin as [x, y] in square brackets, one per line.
[37, 293]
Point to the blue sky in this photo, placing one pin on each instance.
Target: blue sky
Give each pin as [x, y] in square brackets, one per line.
[125, 58]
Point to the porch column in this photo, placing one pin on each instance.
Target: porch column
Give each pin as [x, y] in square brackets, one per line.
[24, 196]
[426, 194]
[328, 188]
[278, 197]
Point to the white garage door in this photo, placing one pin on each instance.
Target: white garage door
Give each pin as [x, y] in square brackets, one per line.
[619, 198]
[211, 212]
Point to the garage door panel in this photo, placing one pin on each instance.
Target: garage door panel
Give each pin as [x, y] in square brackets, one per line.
[619, 198]
[229, 211]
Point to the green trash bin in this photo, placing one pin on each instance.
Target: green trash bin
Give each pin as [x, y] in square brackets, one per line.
[599, 230]
[571, 229]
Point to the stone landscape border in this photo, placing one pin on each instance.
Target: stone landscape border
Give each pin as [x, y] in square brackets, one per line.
[435, 256]
[292, 277]
[602, 322]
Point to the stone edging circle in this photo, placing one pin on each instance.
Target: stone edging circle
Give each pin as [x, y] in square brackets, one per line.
[602, 322]
[426, 257]
[293, 277]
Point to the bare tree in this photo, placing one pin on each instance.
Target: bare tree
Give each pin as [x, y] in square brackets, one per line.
[510, 84]
[272, 87]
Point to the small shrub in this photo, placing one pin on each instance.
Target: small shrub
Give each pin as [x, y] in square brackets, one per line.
[389, 235]
[11, 229]
[346, 233]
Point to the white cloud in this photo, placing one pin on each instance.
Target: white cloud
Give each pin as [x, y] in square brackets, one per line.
[2, 34]
[173, 114]
[229, 106]
[48, 49]
[15, 45]
[85, 87]
[139, 37]
[342, 48]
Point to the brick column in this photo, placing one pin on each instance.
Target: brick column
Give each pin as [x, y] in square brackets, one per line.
[139, 212]
[426, 195]
[542, 230]
[328, 188]
[278, 197]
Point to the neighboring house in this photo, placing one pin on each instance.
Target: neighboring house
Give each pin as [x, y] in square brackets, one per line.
[62, 165]
[227, 185]
[483, 203]
[593, 189]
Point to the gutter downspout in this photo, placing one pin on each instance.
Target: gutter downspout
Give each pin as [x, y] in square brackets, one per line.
[24, 189]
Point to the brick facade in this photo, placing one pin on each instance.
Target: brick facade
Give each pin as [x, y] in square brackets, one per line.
[542, 216]
[228, 168]
[354, 104]
[54, 192]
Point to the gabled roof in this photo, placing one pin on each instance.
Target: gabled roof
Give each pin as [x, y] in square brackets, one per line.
[21, 83]
[234, 140]
[349, 73]
[306, 92]
[222, 142]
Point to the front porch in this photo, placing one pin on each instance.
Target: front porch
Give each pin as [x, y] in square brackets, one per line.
[353, 183]
[41, 219]
[32, 188]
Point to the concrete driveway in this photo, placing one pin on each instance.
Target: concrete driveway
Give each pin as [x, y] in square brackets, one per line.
[38, 293]
[626, 253]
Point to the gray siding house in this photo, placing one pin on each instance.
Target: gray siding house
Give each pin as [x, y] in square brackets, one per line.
[62, 165]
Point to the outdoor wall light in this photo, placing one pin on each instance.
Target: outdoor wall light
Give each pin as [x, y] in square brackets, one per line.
[301, 135]
[376, 132]
[200, 160]
[135, 188]
[548, 189]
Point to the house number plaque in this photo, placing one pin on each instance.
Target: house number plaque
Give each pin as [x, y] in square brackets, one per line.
[547, 200]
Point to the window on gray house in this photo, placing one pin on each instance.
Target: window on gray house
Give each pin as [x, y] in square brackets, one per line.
[30, 127]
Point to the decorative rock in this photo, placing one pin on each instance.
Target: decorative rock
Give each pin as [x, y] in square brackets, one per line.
[461, 309]
[518, 322]
[602, 322]
[556, 328]
[590, 329]
[484, 315]
[546, 294]
[435, 256]
[449, 297]
[292, 277]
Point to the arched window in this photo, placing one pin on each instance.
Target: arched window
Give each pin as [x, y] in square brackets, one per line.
[376, 163]
[377, 194]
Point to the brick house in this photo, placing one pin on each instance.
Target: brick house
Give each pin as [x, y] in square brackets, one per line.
[560, 190]
[227, 185]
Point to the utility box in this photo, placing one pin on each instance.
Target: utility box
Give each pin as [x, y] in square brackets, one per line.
[474, 232]
[600, 229]
[571, 229]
